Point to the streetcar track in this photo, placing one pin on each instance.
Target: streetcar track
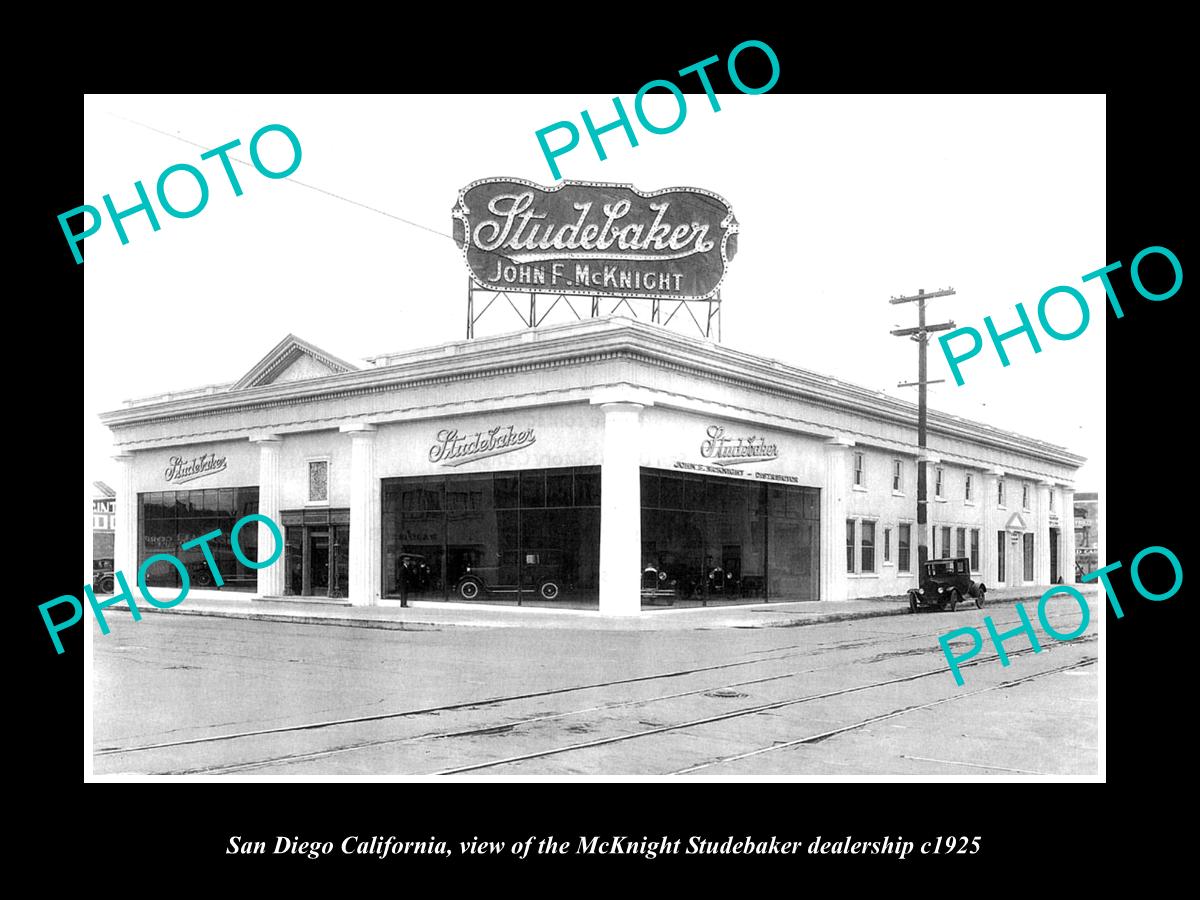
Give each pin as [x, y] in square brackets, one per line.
[466, 704]
[971, 765]
[855, 642]
[825, 735]
[477, 731]
[733, 714]
[487, 702]
[502, 728]
[822, 649]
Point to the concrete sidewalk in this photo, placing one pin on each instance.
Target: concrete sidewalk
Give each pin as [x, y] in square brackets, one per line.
[424, 615]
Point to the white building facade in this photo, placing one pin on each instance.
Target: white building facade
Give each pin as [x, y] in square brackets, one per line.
[606, 463]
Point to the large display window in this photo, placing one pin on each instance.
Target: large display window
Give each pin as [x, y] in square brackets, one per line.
[527, 537]
[708, 539]
[169, 519]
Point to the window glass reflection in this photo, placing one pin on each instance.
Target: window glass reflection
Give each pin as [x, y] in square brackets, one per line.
[169, 519]
[512, 537]
[558, 488]
[707, 539]
[587, 487]
[507, 490]
[533, 489]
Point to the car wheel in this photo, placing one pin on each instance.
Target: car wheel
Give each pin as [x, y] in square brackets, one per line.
[912, 603]
[106, 585]
[954, 598]
[468, 590]
[549, 591]
[979, 597]
[202, 578]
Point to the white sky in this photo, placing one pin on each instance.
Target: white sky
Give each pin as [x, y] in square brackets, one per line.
[842, 202]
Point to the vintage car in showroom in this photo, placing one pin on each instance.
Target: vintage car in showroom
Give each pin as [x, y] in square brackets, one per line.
[516, 572]
[944, 584]
[670, 577]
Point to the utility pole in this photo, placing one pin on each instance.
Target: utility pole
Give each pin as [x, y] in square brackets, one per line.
[920, 334]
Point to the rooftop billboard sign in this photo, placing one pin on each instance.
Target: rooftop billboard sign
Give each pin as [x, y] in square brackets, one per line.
[595, 238]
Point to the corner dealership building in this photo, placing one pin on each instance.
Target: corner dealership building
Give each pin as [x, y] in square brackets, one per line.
[607, 463]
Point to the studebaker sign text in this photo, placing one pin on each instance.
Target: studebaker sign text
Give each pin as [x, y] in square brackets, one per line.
[595, 238]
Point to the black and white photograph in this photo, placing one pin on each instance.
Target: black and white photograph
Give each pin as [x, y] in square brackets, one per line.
[704, 433]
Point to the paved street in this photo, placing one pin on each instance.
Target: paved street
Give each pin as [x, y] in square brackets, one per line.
[192, 694]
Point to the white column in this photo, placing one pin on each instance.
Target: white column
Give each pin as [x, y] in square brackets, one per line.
[125, 541]
[990, 571]
[365, 565]
[834, 585]
[1066, 539]
[620, 510]
[1041, 534]
[270, 579]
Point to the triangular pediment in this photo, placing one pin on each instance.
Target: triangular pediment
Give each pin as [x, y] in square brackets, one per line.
[1016, 523]
[293, 359]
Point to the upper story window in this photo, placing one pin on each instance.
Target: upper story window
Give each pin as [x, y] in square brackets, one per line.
[1024, 496]
[897, 475]
[967, 487]
[1000, 492]
[1051, 499]
[858, 469]
[939, 479]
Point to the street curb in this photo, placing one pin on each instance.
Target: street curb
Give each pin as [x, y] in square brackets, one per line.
[823, 618]
[639, 624]
[301, 619]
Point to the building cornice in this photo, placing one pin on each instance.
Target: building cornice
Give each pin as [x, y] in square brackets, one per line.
[582, 343]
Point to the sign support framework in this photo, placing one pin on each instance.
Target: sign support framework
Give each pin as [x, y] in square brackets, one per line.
[708, 323]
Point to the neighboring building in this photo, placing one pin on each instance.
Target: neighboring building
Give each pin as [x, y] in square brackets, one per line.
[570, 461]
[104, 520]
[1087, 533]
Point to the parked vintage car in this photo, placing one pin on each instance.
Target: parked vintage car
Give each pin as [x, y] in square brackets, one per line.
[201, 575]
[102, 575]
[516, 572]
[945, 583]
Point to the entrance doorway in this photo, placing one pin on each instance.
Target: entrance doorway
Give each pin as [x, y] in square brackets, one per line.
[316, 552]
[317, 561]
